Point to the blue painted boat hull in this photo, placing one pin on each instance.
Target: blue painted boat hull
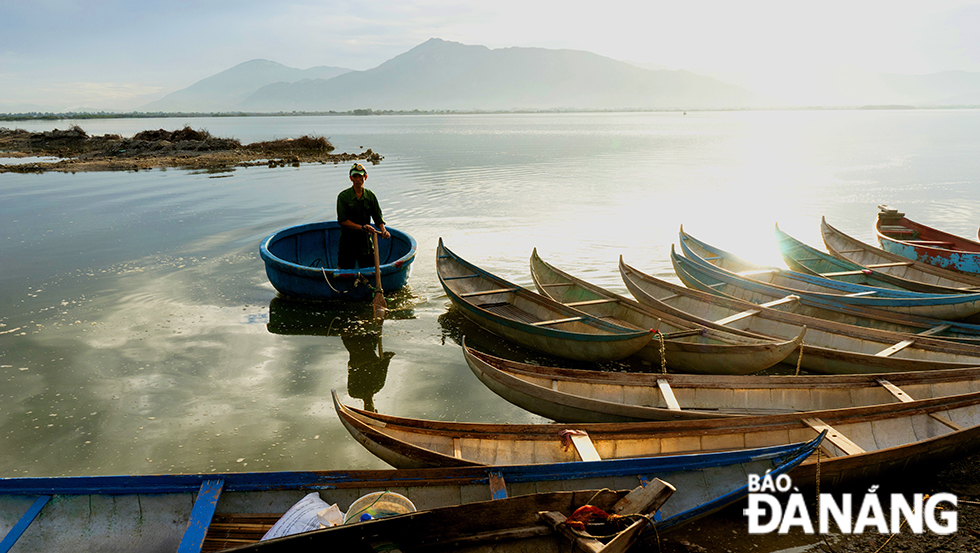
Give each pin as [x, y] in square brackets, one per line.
[301, 263]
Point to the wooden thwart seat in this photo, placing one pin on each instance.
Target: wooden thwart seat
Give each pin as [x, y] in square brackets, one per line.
[591, 302]
[845, 273]
[902, 396]
[937, 243]
[934, 330]
[751, 312]
[460, 277]
[201, 513]
[557, 321]
[833, 436]
[583, 445]
[895, 348]
[668, 395]
[488, 292]
[884, 265]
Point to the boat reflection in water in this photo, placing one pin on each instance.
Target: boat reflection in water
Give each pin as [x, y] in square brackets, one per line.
[360, 333]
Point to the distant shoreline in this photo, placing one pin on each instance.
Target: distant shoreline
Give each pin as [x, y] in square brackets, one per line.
[38, 116]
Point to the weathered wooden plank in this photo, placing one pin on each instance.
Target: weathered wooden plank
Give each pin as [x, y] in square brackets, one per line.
[556, 520]
[498, 488]
[644, 499]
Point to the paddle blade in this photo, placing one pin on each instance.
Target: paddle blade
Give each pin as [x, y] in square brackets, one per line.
[380, 306]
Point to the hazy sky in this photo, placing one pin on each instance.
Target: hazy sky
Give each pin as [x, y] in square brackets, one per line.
[121, 54]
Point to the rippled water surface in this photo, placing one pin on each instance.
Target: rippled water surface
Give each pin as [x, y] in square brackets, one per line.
[139, 333]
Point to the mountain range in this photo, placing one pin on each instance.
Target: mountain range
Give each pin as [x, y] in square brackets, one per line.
[223, 91]
[442, 75]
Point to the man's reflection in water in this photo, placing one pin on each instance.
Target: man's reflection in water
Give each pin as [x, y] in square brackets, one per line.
[367, 368]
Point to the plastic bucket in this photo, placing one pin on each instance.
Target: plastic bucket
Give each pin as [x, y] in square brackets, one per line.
[379, 505]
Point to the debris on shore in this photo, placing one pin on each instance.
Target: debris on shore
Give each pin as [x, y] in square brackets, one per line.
[74, 150]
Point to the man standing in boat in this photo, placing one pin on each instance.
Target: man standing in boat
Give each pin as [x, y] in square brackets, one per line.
[356, 207]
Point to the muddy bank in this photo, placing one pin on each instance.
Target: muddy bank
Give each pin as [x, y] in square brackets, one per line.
[74, 150]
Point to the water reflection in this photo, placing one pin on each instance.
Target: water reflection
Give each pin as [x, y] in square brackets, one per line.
[367, 368]
[360, 333]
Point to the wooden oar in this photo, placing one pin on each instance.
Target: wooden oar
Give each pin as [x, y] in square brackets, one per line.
[380, 305]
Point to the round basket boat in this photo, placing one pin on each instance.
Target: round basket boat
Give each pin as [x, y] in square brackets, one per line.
[301, 263]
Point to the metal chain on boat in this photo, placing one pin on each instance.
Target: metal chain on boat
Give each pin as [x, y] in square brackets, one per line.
[663, 352]
[800, 359]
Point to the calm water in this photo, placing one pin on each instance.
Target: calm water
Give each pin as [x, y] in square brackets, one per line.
[139, 334]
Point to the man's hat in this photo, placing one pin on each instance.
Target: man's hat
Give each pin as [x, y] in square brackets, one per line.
[357, 169]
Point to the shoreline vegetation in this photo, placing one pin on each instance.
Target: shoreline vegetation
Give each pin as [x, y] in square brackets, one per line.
[73, 150]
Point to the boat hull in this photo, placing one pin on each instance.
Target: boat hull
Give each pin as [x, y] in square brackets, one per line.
[529, 319]
[568, 395]
[846, 247]
[301, 263]
[862, 443]
[899, 235]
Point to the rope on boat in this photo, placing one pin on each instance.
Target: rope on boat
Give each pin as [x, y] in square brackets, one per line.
[799, 361]
[577, 522]
[663, 353]
[358, 280]
[328, 282]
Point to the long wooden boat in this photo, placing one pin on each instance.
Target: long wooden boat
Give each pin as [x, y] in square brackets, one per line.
[705, 481]
[846, 247]
[861, 442]
[806, 259]
[898, 234]
[532, 320]
[533, 523]
[301, 263]
[571, 395]
[681, 345]
[829, 347]
[214, 511]
[724, 266]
